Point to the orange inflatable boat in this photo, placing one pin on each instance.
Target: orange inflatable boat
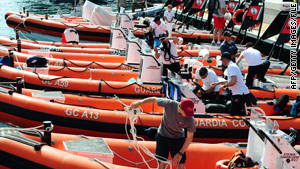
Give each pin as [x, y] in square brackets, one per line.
[28, 111]
[86, 32]
[27, 148]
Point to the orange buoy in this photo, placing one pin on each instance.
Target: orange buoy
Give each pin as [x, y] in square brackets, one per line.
[237, 17]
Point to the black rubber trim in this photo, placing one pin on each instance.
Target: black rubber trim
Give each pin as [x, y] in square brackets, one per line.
[16, 162]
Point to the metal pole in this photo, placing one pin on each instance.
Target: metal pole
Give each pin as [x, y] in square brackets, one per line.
[19, 84]
[47, 132]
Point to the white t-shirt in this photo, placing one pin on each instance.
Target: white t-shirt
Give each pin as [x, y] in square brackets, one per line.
[173, 50]
[169, 15]
[209, 80]
[239, 88]
[152, 22]
[161, 28]
[252, 56]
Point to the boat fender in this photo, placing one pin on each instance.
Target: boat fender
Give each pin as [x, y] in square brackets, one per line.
[281, 103]
[237, 17]
[36, 61]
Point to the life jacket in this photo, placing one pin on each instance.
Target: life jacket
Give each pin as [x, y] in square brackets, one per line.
[36, 61]
[167, 52]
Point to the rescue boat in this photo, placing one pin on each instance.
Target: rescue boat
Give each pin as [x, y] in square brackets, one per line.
[86, 32]
[30, 149]
[25, 111]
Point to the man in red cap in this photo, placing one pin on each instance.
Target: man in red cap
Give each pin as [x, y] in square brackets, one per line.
[170, 137]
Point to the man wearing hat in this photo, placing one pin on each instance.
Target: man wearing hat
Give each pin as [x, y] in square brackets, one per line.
[170, 137]
[236, 84]
[167, 52]
[253, 58]
[158, 28]
[228, 45]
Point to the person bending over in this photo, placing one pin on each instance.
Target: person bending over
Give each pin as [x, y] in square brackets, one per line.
[170, 137]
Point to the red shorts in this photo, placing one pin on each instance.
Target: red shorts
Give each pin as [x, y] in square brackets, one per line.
[219, 22]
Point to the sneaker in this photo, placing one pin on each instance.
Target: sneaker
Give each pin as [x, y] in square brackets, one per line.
[218, 43]
[213, 43]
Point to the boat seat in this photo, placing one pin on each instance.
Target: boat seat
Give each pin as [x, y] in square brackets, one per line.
[216, 107]
[140, 26]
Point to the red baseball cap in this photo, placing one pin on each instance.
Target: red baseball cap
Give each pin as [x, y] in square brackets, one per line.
[187, 106]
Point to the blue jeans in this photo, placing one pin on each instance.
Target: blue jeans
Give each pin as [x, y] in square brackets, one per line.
[157, 43]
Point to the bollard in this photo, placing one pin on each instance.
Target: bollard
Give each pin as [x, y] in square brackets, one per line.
[19, 45]
[47, 134]
[19, 84]
[17, 35]
[24, 10]
[27, 14]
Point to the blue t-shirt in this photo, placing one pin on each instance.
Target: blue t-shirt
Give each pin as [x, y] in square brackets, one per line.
[228, 47]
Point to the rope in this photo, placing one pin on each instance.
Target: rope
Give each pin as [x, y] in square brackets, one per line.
[29, 129]
[99, 65]
[76, 26]
[132, 116]
[123, 87]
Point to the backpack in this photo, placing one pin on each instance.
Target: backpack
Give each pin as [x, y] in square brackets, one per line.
[36, 61]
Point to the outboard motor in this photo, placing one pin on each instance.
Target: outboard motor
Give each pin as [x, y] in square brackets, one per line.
[150, 68]
[117, 38]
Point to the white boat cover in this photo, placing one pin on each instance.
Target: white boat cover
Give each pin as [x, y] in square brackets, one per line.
[102, 16]
[88, 9]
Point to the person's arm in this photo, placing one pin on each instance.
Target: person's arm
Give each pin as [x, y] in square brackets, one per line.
[231, 82]
[167, 33]
[219, 83]
[186, 144]
[240, 58]
[174, 39]
[210, 90]
[149, 100]
[157, 54]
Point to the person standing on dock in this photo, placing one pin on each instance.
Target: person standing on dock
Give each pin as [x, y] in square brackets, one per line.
[169, 19]
[253, 58]
[235, 81]
[219, 21]
[170, 137]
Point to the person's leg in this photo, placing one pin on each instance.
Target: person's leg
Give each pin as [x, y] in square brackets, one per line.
[175, 146]
[165, 70]
[161, 151]
[250, 76]
[220, 35]
[237, 105]
[157, 43]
